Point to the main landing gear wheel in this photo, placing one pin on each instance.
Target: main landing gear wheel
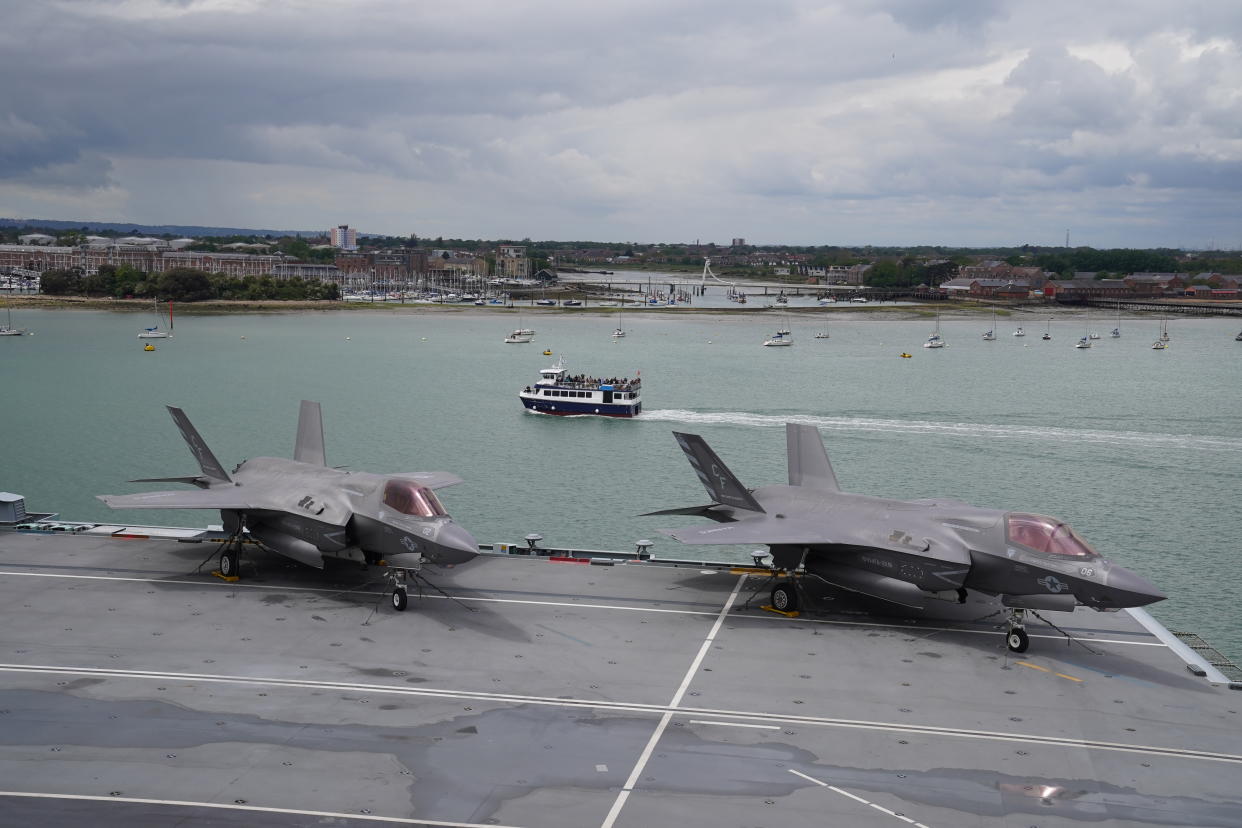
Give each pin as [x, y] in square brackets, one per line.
[1018, 640]
[228, 563]
[400, 599]
[785, 597]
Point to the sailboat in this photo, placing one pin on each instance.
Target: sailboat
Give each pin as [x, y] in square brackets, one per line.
[990, 335]
[1162, 342]
[1019, 332]
[934, 341]
[1117, 330]
[7, 329]
[822, 334]
[619, 332]
[1048, 333]
[1090, 333]
[1085, 342]
[155, 332]
[782, 338]
[1164, 330]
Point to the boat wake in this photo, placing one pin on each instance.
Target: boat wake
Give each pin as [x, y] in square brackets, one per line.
[1132, 439]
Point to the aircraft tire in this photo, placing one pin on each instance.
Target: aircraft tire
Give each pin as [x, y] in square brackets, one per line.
[785, 597]
[400, 599]
[229, 563]
[1018, 640]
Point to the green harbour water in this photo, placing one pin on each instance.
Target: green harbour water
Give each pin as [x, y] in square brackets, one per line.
[1140, 450]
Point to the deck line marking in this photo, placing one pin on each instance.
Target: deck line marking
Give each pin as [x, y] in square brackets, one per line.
[765, 616]
[240, 585]
[1071, 678]
[856, 798]
[640, 707]
[1033, 666]
[263, 809]
[809, 778]
[628, 788]
[733, 724]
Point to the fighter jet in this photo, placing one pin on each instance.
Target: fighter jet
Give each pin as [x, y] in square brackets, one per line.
[907, 552]
[307, 511]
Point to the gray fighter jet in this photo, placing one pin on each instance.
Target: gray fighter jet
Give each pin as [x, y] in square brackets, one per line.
[307, 511]
[907, 552]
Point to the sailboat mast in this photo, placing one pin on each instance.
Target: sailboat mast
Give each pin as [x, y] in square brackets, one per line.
[170, 316]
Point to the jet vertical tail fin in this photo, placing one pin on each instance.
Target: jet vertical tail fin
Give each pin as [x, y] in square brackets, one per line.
[808, 460]
[309, 445]
[721, 484]
[206, 460]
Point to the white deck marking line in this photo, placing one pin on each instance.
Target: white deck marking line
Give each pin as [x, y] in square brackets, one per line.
[764, 616]
[856, 798]
[734, 724]
[628, 788]
[306, 684]
[260, 808]
[767, 616]
[236, 585]
[637, 707]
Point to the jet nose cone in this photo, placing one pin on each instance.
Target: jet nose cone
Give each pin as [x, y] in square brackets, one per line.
[456, 544]
[1131, 590]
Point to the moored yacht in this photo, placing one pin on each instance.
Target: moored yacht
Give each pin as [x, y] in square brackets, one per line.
[780, 339]
[558, 392]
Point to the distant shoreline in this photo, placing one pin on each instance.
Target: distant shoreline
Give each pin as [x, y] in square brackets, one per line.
[947, 310]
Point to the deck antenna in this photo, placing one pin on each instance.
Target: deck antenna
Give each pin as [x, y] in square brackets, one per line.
[1067, 238]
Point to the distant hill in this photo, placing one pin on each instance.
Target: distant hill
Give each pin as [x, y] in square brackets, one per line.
[189, 230]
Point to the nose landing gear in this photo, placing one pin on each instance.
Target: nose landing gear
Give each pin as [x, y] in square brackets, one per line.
[1016, 638]
[398, 579]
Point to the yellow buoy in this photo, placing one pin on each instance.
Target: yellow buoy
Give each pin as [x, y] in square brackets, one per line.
[547, 353]
[148, 347]
[905, 356]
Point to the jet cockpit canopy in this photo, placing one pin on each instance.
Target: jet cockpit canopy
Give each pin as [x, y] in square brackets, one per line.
[410, 498]
[1046, 535]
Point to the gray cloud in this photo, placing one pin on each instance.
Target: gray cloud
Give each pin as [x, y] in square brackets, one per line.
[634, 120]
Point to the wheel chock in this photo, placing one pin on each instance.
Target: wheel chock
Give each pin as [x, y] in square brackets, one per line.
[229, 578]
[793, 614]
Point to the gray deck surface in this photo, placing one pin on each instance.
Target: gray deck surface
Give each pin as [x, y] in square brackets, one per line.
[135, 692]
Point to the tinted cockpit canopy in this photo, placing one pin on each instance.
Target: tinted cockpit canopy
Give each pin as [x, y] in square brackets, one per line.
[409, 498]
[1046, 535]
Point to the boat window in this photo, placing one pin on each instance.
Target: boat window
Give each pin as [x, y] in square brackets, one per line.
[409, 498]
[1047, 535]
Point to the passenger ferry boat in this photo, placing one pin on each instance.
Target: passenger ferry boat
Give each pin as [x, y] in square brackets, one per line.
[558, 392]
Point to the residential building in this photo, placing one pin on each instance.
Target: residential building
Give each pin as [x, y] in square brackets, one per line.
[511, 262]
[344, 237]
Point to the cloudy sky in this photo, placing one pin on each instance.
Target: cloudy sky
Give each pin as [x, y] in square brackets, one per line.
[958, 122]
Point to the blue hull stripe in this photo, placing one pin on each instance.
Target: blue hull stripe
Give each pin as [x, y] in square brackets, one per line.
[565, 406]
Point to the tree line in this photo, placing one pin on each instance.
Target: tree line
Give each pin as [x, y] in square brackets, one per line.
[181, 284]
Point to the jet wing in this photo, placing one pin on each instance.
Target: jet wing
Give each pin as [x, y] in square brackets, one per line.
[232, 497]
[766, 531]
[432, 480]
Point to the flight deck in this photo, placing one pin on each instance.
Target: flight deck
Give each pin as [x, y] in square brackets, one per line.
[140, 690]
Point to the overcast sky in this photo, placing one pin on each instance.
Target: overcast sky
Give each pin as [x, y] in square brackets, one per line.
[957, 122]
